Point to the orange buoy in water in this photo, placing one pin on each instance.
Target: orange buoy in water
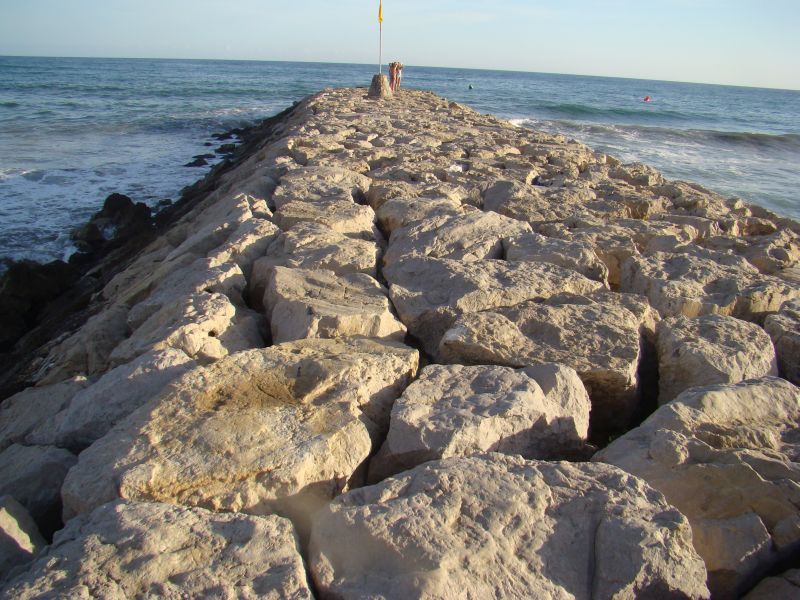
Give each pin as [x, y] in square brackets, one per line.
[647, 98]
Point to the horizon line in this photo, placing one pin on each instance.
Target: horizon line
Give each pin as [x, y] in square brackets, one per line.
[733, 85]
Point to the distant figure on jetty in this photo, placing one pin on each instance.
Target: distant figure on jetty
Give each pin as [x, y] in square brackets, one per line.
[395, 75]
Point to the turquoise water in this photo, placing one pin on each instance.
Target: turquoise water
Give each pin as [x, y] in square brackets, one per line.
[74, 130]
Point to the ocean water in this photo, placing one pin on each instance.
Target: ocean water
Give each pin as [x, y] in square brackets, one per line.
[74, 130]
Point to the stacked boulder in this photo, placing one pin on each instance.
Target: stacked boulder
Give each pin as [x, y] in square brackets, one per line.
[378, 359]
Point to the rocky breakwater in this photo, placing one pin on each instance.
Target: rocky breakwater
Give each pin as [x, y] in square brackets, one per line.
[378, 357]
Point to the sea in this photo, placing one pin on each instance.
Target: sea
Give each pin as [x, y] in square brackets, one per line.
[74, 130]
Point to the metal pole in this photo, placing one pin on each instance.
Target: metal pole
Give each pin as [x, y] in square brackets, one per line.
[380, 50]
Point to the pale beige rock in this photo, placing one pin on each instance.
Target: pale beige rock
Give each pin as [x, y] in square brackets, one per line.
[204, 326]
[281, 429]
[129, 550]
[533, 247]
[770, 254]
[93, 411]
[700, 282]
[314, 184]
[470, 237]
[710, 349]
[249, 242]
[343, 217]
[613, 247]
[23, 412]
[600, 336]
[401, 212]
[535, 203]
[381, 192]
[304, 303]
[87, 351]
[783, 587]
[496, 526]
[726, 457]
[20, 539]
[379, 88]
[200, 276]
[784, 329]
[312, 246]
[453, 410]
[33, 476]
[637, 174]
[429, 293]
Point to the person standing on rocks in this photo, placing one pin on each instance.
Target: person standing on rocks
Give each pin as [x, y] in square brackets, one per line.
[398, 74]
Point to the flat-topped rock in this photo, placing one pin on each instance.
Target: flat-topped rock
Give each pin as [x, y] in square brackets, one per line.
[131, 550]
[304, 303]
[786, 585]
[600, 336]
[699, 282]
[93, 411]
[281, 429]
[710, 349]
[430, 293]
[205, 326]
[726, 457]
[537, 412]
[395, 213]
[313, 184]
[343, 217]
[496, 526]
[533, 247]
[784, 329]
[470, 237]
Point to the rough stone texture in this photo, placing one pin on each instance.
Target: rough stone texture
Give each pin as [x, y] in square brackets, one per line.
[710, 349]
[379, 88]
[343, 217]
[700, 282]
[314, 184]
[304, 303]
[204, 326]
[130, 550]
[470, 237]
[281, 429]
[600, 336]
[496, 526]
[430, 293]
[395, 213]
[726, 457]
[784, 587]
[23, 412]
[20, 539]
[249, 242]
[538, 412]
[95, 410]
[784, 329]
[580, 257]
[33, 476]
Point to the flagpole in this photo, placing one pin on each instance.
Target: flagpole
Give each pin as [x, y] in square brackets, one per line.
[380, 49]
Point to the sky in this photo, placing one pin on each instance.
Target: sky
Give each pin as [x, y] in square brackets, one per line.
[736, 42]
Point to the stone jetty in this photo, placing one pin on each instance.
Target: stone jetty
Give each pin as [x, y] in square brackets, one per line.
[400, 349]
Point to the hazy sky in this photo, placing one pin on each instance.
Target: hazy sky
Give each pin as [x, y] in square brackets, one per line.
[741, 42]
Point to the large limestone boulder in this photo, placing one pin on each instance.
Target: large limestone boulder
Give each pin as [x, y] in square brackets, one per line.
[314, 184]
[536, 204]
[784, 329]
[580, 257]
[710, 349]
[400, 212]
[281, 429]
[470, 237]
[23, 412]
[249, 242]
[430, 293]
[20, 539]
[129, 550]
[96, 409]
[497, 526]
[700, 282]
[304, 303]
[600, 336]
[343, 217]
[453, 410]
[782, 587]
[33, 476]
[205, 326]
[726, 457]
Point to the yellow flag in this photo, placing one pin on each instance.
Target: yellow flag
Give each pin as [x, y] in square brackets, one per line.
[380, 12]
